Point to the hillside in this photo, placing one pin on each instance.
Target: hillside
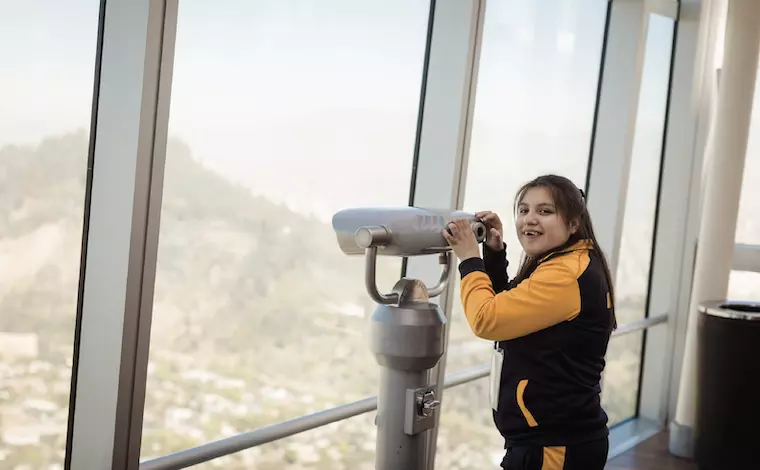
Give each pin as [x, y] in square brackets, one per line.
[258, 318]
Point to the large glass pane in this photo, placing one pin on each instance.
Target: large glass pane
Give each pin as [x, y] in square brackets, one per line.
[632, 279]
[534, 113]
[620, 387]
[744, 286]
[631, 283]
[748, 222]
[468, 437]
[283, 112]
[47, 52]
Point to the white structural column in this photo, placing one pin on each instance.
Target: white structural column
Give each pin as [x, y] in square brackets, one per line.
[444, 136]
[615, 123]
[121, 234]
[723, 182]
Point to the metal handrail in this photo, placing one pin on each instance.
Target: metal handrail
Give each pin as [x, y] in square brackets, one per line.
[230, 445]
[240, 442]
[639, 325]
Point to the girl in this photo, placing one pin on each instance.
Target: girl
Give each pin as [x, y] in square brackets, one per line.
[551, 325]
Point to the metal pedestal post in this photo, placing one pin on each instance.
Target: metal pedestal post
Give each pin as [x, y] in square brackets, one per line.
[407, 341]
[395, 448]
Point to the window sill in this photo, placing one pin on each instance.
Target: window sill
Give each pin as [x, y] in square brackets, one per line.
[628, 434]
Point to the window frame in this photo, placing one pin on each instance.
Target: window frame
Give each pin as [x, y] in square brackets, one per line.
[120, 235]
[113, 330]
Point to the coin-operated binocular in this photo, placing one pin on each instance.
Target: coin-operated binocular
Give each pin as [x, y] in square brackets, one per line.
[407, 330]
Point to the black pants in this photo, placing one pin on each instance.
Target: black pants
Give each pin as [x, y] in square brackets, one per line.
[590, 455]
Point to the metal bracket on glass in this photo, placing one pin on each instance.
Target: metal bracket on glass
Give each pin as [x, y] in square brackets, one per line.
[420, 410]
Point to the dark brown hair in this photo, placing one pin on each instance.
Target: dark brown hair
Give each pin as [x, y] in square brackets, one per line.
[571, 205]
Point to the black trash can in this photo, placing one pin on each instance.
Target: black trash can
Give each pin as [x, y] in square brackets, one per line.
[727, 427]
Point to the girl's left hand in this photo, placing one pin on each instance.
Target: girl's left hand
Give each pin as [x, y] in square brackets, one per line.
[462, 239]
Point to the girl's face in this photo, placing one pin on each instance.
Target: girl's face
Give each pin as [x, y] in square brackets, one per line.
[539, 226]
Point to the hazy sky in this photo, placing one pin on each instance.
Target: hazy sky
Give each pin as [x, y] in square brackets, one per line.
[315, 103]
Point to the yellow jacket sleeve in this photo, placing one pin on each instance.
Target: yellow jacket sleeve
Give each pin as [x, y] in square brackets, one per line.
[549, 296]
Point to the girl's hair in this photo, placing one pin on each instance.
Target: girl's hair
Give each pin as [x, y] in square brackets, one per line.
[571, 205]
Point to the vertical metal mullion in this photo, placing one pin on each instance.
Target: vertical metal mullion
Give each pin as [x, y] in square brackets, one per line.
[122, 212]
[154, 203]
[85, 231]
[443, 137]
[600, 81]
[654, 341]
[420, 116]
[615, 126]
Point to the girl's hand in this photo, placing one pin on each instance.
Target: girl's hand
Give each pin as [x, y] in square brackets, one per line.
[495, 236]
[462, 239]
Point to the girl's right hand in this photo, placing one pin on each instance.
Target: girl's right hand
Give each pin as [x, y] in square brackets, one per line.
[495, 236]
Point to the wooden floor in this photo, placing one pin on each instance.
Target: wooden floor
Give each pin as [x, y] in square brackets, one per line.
[651, 454]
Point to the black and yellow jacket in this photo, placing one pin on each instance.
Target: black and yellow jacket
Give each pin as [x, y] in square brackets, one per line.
[554, 328]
